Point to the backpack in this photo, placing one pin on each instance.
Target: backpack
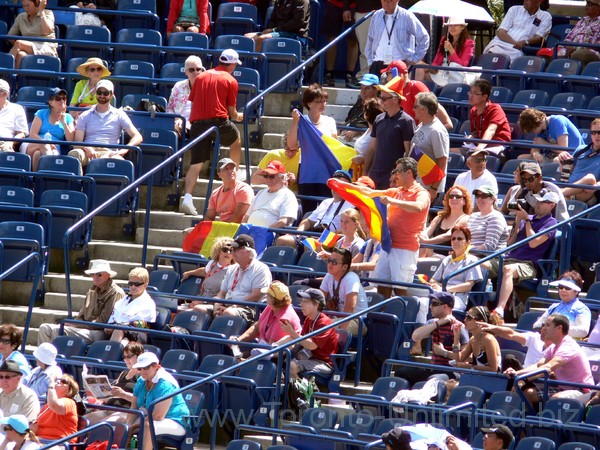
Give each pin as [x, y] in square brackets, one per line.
[300, 391]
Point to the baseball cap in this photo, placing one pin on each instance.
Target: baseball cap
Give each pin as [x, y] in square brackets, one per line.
[106, 84]
[10, 366]
[533, 168]
[445, 297]
[4, 86]
[145, 359]
[369, 79]
[486, 189]
[230, 56]
[547, 197]
[566, 282]
[275, 167]
[313, 294]
[17, 422]
[55, 92]
[277, 290]
[243, 240]
[503, 432]
[342, 174]
[365, 181]
[398, 64]
[224, 162]
[477, 151]
[397, 438]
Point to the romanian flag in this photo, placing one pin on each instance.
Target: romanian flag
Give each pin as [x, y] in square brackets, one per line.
[374, 212]
[310, 243]
[329, 238]
[428, 170]
[203, 236]
[321, 155]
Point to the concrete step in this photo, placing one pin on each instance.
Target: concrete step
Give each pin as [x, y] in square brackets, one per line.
[168, 220]
[58, 301]
[272, 141]
[338, 112]
[279, 104]
[273, 124]
[172, 238]
[17, 314]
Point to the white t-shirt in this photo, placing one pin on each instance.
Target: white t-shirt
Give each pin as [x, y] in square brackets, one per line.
[466, 179]
[347, 285]
[127, 310]
[535, 348]
[269, 207]
[329, 213]
[12, 120]
[326, 125]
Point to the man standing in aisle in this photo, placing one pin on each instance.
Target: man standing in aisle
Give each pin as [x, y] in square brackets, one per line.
[213, 98]
[395, 33]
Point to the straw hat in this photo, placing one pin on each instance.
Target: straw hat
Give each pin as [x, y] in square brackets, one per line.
[82, 69]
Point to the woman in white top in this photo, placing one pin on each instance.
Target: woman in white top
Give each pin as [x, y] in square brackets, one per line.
[135, 310]
[372, 108]
[179, 102]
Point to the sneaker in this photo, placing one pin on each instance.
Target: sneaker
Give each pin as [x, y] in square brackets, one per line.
[328, 81]
[352, 82]
[188, 209]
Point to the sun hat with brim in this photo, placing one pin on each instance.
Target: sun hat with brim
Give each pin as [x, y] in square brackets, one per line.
[486, 189]
[277, 290]
[10, 366]
[456, 20]
[17, 422]
[82, 69]
[566, 282]
[145, 359]
[46, 353]
[477, 151]
[100, 265]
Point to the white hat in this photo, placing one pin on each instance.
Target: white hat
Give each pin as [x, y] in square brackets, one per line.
[4, 86]
[566, 282]
[106, 84]
[46, 353]
[549, 196]
[145, 359]
[100, 265]
[230, 56]
[456, 20]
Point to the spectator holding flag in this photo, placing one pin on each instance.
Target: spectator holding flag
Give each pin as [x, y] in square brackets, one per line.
[432, 140]
[353, 236]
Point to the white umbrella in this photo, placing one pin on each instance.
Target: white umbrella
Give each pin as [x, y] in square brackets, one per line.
[450, 8]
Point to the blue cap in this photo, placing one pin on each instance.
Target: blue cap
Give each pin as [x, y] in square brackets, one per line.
[369, 79]
[17, 422]
[56, 92]
[342, 174]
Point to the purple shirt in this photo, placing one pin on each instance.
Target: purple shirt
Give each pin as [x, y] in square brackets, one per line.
[525, 252]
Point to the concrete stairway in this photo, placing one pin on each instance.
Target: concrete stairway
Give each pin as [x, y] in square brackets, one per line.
[166, 226]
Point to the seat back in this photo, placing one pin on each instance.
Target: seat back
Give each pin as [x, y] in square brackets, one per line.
[16, 195]
[7, 61]
[133, 100]
[568, 101]
[15, 161]
[33, 94]
[279, 255]
[59, 163]
[527, 319]
[227, 326]
[564, 409]
[179, 360]
[105, 351]
[69, 199]
[506, 402]
[112, 175]
[191, 320]
[576, 446]
[69, 346]
[188, 39]
[243, 444]
[141, 36]
[388, 387]
[238, 43]
[87, 33]
[164, 280]
[564, 66]
[212, 364]
[528, 64]
[535, 443]
[501, 94]
[283, 55]
[533, 98]
[464, 394]
[190, 286]
[455, 91]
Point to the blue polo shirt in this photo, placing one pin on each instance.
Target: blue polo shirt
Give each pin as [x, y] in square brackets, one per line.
[559, 126]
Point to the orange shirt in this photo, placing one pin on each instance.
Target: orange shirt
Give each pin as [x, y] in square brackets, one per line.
[53, 426]
[405, 226]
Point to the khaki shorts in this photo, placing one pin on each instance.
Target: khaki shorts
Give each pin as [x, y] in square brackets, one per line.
[525, 269]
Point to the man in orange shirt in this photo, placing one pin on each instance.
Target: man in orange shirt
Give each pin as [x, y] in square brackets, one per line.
[213, 98]
[407, 207]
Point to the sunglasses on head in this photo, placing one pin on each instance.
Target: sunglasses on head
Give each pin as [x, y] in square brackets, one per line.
[136, 283]
[103, 93]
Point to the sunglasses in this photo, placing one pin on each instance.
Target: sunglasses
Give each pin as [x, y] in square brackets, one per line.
[469, 317]
[269, 177]
[136, 283]
[480, 160]
[5, 341]
[194, 69]
[94, 69]
[435, 304]
[62, 381]
[455, 197]
[7, 377]
[227, 250]
[595, 132]
[333, 262]
[528, 180]
[565, 288]
[398, 171]
[482, 196]
[457, 238]
[60, 98]
[7, 428]
[385, 99]
[147, 367]
[103, 93]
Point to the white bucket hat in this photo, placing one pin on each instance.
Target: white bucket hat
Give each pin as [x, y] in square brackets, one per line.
[456, 20]
[46, 353]
[100, 265]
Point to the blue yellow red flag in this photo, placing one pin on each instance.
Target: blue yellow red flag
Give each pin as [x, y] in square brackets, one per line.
[428, 170]
[329, 238]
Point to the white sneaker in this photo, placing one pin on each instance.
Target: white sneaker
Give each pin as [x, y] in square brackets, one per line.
[188, 209]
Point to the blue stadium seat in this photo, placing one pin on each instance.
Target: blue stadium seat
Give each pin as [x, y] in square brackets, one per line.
[236, 42]
[564, 102]
[248, 88]
[243, 444]
[515, 77]
[195, 403]
[351, 426]
[170, 74]
[68, 346]
[341, 359]
[455, 98]
[164, 280]
[16, 195]
[19, 239]
[135, 76]
[67, 207]
[99, 35]
[236, 18]
[142, 21]
[552, 80]
[501, 94]
[157, 146]
[492, 61]
[527, 319]
[139, 45]
[283, 56]
[531, 98]
[191, 287]
[312, 421]
[34, 96]
[556, 412]
[558, 33]
[588, 82]
[588, 431]
[192, 41]
[223, 327]
[60, 164]
[177, 360]
[133, 100]
[15, 161]
[276, 255]
[112, 176]
[44, 71]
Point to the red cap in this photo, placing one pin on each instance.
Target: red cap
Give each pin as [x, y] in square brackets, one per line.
[398, 64]
[366, 181]
[275, 167]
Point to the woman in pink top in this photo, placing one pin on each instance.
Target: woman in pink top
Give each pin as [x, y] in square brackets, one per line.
[268, 327]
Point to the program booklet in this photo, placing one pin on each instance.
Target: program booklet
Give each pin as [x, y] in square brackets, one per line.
[98, 385]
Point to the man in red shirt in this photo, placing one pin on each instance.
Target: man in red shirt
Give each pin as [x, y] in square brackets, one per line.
[488, 120]
[410, 90]
[321, 346]
[213, 98]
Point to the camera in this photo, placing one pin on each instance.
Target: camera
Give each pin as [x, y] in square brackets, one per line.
[513, 206]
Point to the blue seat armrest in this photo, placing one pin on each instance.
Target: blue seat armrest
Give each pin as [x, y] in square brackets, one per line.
[299, 428]
[336, 434]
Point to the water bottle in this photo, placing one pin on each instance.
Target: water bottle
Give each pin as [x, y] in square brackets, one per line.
[133, 442]
[489, 287]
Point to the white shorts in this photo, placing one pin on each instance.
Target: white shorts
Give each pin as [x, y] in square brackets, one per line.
[168, 426]
[397, 265]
